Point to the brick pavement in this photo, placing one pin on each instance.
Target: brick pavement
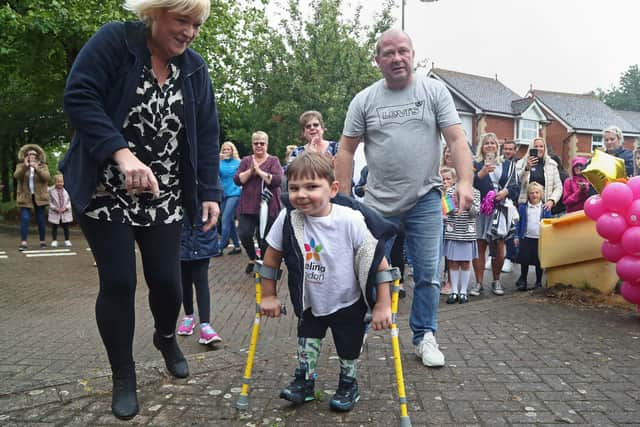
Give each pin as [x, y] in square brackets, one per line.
[510, 360]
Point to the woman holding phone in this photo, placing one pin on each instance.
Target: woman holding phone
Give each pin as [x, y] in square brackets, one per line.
[491, 173]
[538, 167]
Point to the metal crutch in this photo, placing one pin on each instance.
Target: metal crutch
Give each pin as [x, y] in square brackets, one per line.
[405, 421]
[259, 270]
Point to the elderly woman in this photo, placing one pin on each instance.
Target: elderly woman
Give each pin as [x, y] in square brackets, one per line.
[144, 157]
[492, 173]
[614, 144]
[32, 178]
[259, 173]
[229, 163]
[312, 132]
[537, 166]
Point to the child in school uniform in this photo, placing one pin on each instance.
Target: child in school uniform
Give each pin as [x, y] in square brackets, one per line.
[460, 246]
[528, 234]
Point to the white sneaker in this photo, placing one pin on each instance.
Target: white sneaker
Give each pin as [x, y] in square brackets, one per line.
[487, 265]
[507, 267]
[496, 287]
[67, 243]
[429, 352]
[54, 243]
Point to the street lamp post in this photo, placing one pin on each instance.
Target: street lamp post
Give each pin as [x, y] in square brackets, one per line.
[402, 15]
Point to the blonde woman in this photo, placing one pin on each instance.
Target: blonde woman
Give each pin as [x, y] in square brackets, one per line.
[128, 183]
[491, 173]
[537, 166]
[614, 144]
[229, 163]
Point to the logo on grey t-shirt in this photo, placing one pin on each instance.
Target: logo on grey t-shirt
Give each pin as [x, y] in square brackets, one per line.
[400, 114]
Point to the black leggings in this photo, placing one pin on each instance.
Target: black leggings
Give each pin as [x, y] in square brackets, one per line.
[248, 227]
[113, 247]
[54, 231]
[195, 273]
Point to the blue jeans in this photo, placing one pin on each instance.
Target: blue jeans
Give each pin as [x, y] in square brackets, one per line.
[228, 224]
[25, 218]
[423, 234]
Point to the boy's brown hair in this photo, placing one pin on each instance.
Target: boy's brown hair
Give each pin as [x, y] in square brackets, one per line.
[311, 165]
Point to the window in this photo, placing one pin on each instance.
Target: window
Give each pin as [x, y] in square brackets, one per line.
[596, 142]
[528, 130]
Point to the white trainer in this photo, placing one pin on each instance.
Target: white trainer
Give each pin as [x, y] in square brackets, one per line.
[507, 267]
[429, 351]
[54, 243]
[67, 243]
[487, 265]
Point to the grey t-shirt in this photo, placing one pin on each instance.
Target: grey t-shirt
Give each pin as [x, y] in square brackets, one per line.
[401, 130]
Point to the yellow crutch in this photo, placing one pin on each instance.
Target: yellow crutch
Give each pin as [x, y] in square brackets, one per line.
[405, 421]
[259, 270]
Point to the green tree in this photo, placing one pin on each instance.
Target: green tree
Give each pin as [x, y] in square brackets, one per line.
[626, 95]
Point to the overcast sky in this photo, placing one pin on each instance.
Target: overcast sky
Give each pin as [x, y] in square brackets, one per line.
[573, 46]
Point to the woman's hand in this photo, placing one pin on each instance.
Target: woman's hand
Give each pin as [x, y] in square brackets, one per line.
[270, 306]
[502, 194]
[532, 161]
[210, 214]
[138, 176]
[548, 205]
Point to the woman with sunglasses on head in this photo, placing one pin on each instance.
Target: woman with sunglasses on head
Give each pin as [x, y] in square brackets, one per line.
[312, 131]
[259, 174]
[143, 159]
[32, 177]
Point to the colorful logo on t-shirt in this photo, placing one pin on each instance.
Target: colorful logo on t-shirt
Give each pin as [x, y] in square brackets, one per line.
[312, 250]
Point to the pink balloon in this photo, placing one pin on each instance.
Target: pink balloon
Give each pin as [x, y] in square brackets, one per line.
[616, 197]
[631, 241]
[611, 226]
[633, 213]
[634, 185]
[612, 252]
[630, 292]
[628, 268]
[593, 207]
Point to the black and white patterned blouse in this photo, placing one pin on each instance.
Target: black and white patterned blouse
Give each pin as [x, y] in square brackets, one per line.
[153, 130]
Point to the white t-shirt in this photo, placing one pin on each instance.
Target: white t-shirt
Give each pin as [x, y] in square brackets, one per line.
[534, 213]
[330, 245]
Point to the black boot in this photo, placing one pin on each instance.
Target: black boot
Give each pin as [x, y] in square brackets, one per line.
[346, 396]
[124, 401]
[300, 390]
[173, 357]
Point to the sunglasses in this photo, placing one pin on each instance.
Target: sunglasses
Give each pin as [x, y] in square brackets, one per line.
[259, 143]
[312, 125]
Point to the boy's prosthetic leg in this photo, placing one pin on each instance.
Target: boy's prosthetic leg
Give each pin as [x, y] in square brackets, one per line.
[259, 271]
[393, 275]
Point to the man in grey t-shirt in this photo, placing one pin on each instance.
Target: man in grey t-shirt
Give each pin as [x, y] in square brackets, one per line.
[400, 119]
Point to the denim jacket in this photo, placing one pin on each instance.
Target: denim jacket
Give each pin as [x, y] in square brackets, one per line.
[100, 92]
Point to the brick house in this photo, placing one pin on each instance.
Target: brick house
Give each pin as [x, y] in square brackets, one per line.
[486, 105]
[576, 123]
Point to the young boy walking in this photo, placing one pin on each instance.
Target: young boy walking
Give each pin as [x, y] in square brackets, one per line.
[332, 259]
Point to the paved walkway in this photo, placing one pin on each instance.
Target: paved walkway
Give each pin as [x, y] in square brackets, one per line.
[509, 360]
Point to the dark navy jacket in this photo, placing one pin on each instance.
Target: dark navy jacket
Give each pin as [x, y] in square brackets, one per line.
[197, 244]
[379, 227]
[627, 156]
[100, 92]
[484, 185]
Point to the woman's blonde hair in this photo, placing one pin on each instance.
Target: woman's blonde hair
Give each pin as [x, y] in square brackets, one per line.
[616, 131]
[235, 154]
[483, 140]
[258, 134]
[144, 8]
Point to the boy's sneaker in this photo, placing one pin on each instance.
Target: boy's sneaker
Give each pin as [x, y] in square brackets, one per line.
[300, 390]
[429, 352]
[186, 326]
[507, 267]
[67, 243]
[476, 289]
[208, 334]
[346, 396]
[54, 243]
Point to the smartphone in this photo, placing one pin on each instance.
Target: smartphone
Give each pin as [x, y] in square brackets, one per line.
[490, 158]
[533, 152]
